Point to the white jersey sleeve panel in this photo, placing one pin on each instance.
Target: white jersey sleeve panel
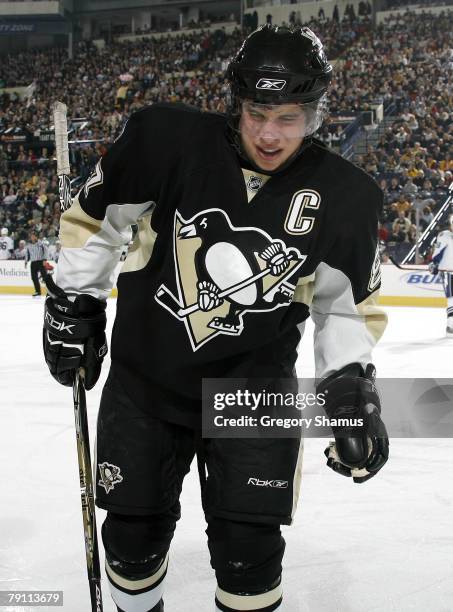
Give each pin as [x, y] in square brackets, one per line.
[94, 231]
[91, 248]
[345, 332]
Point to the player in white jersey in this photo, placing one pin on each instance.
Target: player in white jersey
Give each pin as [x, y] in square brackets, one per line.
[21, 252]
[442, 261]
[6, 244]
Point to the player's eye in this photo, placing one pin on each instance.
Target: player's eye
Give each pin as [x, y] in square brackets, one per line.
[288, 118]
[256, 115]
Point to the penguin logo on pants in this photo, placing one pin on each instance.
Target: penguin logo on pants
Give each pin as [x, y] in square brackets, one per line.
[223, 272]
[110, 476]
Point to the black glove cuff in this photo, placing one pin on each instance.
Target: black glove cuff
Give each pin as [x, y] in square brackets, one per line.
[74, 328]
[350, 387]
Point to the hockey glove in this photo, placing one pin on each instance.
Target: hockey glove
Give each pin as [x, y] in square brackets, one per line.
[359, 450]
[74, 337]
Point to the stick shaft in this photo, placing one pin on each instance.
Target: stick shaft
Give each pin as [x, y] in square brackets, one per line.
[87, 494]
[408, 268]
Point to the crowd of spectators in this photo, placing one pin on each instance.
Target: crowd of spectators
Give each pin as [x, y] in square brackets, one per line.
[406, 63]
[401, 4]
[205, 21]
[102, 87]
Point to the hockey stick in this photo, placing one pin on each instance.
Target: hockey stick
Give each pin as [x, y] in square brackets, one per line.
[86, 493]
[407, 268]
[78, 389]
[80, 409]
[171, 303]
[62, 154]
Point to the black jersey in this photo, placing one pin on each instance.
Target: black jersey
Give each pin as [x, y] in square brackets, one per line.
[227, 263]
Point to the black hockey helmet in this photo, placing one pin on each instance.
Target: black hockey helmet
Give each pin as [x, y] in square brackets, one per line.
[279, 64]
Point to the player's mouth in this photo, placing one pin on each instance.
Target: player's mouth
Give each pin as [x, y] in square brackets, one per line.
[268, 153]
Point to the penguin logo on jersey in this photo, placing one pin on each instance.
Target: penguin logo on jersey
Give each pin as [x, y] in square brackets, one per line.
[110, 476]
[224, 272]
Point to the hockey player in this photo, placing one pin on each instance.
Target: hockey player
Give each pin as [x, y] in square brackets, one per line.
[6, 244]
[442, 261]
[249, 198]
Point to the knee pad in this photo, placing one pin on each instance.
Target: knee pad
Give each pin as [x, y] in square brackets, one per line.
[136, 550]
[247, 557]
[135, 546]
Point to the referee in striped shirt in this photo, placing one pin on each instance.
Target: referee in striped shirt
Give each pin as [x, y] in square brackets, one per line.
[37, 255]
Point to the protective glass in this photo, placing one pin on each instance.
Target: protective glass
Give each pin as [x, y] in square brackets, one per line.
[287, 121]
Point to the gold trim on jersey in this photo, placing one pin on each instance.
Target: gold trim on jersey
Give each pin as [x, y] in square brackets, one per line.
[375, 318]
[304, 290]
[297, 480]
[77, 227]
[142, 248]
[254, 181]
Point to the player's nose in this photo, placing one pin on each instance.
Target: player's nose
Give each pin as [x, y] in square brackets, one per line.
[269, 137]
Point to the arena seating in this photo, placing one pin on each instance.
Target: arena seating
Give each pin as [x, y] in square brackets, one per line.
[405, 63]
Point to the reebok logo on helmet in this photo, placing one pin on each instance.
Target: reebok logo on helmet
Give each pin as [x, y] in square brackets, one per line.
[271, 84]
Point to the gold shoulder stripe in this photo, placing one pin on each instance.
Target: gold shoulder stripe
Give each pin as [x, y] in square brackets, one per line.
[141, 250]
[304, 290]
[77, 227]
[375, 317]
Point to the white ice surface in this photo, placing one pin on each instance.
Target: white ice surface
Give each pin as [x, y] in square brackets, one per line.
[384, 546]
